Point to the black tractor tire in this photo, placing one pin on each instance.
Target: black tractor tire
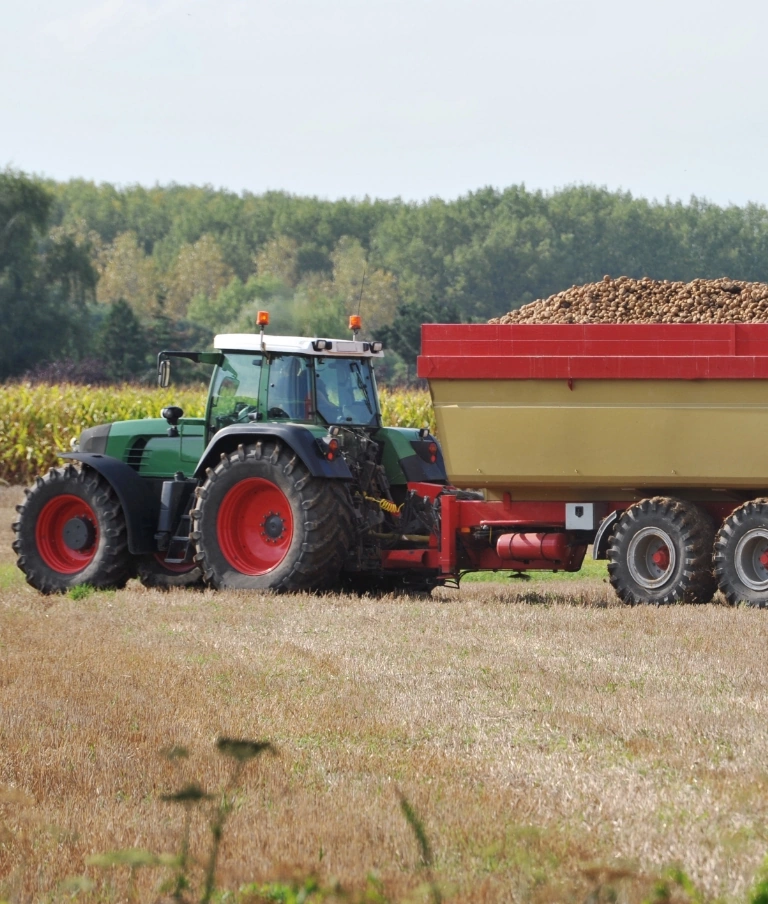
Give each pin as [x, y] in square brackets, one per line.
[262, 522]
[660, 552]
[741, 554]
[153, 572]
[71, 530]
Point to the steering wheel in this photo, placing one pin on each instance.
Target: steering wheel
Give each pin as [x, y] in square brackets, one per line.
[278, 412]
[244, 414]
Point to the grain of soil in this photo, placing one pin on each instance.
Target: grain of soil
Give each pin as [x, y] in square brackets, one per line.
[549, 739]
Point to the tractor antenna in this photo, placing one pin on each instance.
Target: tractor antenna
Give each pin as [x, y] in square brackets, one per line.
[362, 286]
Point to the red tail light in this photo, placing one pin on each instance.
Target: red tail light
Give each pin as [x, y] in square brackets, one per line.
[328, 446]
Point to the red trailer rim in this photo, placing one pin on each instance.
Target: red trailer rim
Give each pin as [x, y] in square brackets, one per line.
[67, 534]
[255, 526]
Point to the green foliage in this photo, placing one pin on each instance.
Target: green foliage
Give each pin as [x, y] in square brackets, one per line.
[404, 333]
[37, 421]
[758, 894]
[122, 344]
[407, 408]
[675, 885]
[212, 258]
[44, 280]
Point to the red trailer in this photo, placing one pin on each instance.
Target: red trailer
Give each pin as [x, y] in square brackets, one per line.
[645, 441]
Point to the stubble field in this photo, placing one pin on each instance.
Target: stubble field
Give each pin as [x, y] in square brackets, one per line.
[552, 741]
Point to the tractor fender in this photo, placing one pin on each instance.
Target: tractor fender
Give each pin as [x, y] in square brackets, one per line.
[140, 505]
[603, 535]
[302, 441]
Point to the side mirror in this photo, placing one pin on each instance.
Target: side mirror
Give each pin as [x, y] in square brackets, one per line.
[172, 414]
[164, 373]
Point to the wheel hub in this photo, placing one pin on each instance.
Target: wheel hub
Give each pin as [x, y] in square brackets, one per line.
[272, 527]
[78, 533]
[254, 526]
[67, 533]
[651, 557]
[751, 559]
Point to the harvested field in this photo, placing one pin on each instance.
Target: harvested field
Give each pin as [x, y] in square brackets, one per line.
[550, 739]
[627, 300]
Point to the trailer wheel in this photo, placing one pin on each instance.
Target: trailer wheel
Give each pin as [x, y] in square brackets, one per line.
[741, 555]
[262, 522]
[153, 571]
[71, 530]
[661, 552]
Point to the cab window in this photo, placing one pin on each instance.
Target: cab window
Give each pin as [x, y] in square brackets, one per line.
[289, 393]
[235, 391]
[345, 391]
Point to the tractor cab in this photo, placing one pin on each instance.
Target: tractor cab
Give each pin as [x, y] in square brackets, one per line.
[289, 379]
[262, 378]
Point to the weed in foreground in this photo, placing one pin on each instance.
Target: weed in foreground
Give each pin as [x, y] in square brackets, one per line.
[190, 797]
[192, 879]
[181, 886]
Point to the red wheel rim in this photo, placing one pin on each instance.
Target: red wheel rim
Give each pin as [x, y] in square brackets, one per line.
[255, 526]
[54, 549]
[175, 567]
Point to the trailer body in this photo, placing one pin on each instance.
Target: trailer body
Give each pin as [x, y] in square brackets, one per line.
[595, 410]
[575, 432]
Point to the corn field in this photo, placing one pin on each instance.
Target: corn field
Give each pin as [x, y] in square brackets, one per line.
[37, 421]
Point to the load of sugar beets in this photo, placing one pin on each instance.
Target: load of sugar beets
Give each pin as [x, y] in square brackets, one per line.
[628, 300]
[292, 482]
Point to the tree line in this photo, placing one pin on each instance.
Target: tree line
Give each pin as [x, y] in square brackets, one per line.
[95, 279]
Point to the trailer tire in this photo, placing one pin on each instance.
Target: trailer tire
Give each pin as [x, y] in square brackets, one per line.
[153, 572]
[661, 552]
[262, 522]
[741, 546]
[71, 530]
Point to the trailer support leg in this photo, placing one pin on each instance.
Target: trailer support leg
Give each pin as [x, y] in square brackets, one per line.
[449, 523]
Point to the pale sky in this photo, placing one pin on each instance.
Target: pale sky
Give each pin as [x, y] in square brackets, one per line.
[409, 98]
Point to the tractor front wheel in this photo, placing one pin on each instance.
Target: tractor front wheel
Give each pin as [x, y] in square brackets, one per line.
[71, 530]
[262, 522]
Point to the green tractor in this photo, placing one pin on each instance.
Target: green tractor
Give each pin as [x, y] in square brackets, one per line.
[290, 482]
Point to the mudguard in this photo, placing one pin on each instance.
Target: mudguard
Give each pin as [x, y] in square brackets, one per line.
[417, 470]
[140, 505]
[295, 436]
[603, 535]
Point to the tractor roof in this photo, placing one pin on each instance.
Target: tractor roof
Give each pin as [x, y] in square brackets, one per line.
[252, 342]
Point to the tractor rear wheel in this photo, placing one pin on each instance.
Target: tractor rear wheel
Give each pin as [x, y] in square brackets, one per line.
[661, 552]
[71, 530]
[741, 555]
[262, 522]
